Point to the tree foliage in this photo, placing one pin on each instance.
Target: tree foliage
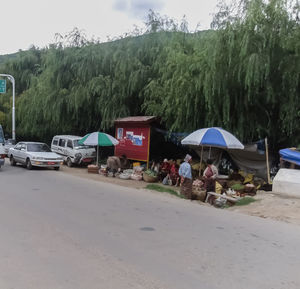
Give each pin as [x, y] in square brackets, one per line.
[242, 75]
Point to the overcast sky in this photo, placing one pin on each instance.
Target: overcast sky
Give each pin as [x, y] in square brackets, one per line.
[35, 22]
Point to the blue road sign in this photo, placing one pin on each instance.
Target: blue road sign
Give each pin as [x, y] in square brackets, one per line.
[2, 86]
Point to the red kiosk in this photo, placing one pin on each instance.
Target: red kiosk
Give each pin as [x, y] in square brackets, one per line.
[133, 134]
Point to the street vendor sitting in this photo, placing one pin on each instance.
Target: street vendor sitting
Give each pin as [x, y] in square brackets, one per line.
[210, 174]
[155, 166]
[174, 174]
[116, 164]
[164, 169]
[236, 176]
[125, 164]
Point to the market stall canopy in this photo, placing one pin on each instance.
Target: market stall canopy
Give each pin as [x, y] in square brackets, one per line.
[213, 137]
[292, 156]
[98, 139]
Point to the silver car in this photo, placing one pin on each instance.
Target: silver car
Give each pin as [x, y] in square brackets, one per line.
[34, 154]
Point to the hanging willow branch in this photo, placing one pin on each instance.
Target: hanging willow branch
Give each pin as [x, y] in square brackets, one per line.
[243, 76]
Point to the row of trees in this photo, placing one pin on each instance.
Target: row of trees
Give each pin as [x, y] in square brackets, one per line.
[242, 75]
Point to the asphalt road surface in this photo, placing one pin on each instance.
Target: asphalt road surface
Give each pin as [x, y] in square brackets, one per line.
[60, 231]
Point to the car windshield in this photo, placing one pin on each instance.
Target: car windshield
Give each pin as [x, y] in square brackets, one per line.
[38, 147]
[76, 144]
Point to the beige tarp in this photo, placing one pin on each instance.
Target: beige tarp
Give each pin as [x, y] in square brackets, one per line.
[249, 160]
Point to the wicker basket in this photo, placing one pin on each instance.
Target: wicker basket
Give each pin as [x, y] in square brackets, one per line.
[199, 194]
[149, 179]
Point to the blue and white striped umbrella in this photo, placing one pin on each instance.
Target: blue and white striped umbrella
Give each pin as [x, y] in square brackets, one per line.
[213, 137]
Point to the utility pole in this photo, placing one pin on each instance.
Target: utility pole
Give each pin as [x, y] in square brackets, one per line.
[12, 80]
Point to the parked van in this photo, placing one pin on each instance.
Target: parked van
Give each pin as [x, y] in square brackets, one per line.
[2, 148]
[71, 151]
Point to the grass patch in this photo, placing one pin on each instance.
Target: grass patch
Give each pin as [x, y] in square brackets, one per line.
[245, 201]
[159, 188]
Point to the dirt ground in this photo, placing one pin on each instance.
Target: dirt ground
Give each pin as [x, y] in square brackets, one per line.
[268, 204]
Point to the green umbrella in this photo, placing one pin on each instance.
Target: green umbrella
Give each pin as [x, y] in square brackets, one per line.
[98, 139]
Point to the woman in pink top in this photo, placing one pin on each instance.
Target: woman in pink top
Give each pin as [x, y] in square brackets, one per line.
[210, 174]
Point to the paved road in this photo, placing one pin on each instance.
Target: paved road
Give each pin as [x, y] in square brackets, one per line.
[59, 231]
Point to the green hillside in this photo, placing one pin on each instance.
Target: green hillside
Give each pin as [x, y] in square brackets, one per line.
[6, 57]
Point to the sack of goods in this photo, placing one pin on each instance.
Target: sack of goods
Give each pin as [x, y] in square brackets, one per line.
[136, 177]
[126, 174]
[103, 170]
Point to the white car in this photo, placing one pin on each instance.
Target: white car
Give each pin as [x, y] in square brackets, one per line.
[34, 154]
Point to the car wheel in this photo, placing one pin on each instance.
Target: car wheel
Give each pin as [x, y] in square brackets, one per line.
[28, 164]
[12, 161]
[69, 163]
[56, 168]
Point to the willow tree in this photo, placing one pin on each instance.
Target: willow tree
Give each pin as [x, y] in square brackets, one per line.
[257, 59]
[24, 66]
[85, 88]
[177, 93]
[243, 76]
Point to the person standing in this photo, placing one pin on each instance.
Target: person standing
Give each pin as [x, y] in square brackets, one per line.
[174, 174]
[186, 181]
[210, 174]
